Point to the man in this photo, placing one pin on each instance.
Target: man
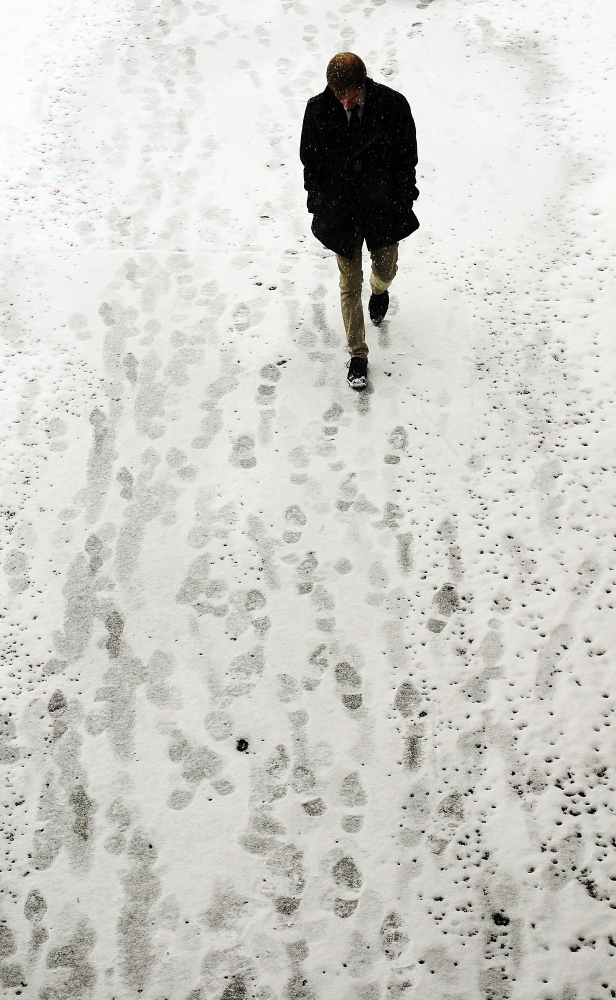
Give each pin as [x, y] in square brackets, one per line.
[359, 152]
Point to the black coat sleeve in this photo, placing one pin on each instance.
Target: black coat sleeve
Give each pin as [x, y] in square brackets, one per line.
[315, 167]
[405, 161]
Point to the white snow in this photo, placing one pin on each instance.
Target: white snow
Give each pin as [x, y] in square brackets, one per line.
[402, 601]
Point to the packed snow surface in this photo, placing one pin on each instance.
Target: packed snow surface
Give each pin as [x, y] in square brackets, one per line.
[306, 694]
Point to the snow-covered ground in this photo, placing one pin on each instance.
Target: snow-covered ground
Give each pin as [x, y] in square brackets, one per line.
[306, 694]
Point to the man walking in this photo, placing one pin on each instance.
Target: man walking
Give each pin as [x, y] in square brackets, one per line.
[359, 152]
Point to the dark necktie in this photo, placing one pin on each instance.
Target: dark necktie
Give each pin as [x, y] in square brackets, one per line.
[354, 121]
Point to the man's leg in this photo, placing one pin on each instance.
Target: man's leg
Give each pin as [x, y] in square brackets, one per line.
[384, 268]
[351, 280]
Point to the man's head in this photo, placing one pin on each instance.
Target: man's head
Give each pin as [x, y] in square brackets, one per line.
[346, 76]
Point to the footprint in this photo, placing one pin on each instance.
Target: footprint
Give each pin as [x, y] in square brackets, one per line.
[447, 818]
[404, 553]
[448, 531]
[266, 428]
[266, 392]
[278, 762]
[242, 456]
[392, 516]
[353, 796]
[199, 592]
[314, 807]
[360, 956]
[389, 69]
[159, 669]
[333, 413]
[255, 600]
[297, 987]
[393, 936]
[16, 567]
[319, 660]
[447, 601]
[348, 491]
[270, 782]
[263, 34]
[435, 625]
[198, 763]
[346, 874]
[398, 440]
[521, 556]
[343, 566]
[271, 373]
[210, 426]
[243, 672]
[263, 822]
[379, 579]
[303, 780]
[294, 515]
[345, 907]
[588, 574]
[305, 573]
[126, 480]
[407, 699]
[120, 816]
[329, 337]
[349, 682]
[347, 877]
[323, 601]
[114, 623]
[241, 317]
[352, 791]
[218, 725]
[180, 798]
[413, 750]
[35, 909]
[452, 807]
[242, 64]
[287, 688]
[238, 619]
[310, 31]
[286, 905]
[56, 429]
[175, 458]
[217, 389]
[299, 459]
[286, 862]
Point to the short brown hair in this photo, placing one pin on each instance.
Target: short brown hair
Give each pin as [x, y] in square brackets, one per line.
[345, 72]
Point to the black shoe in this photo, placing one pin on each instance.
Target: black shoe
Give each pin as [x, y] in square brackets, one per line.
[378, 306]
[358, 370]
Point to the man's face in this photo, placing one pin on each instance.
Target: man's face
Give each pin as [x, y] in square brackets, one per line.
[350, 100]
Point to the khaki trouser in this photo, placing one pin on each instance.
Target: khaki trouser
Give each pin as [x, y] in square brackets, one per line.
[384, 267]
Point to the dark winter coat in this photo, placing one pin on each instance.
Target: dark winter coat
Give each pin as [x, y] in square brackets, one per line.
[360, 185]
